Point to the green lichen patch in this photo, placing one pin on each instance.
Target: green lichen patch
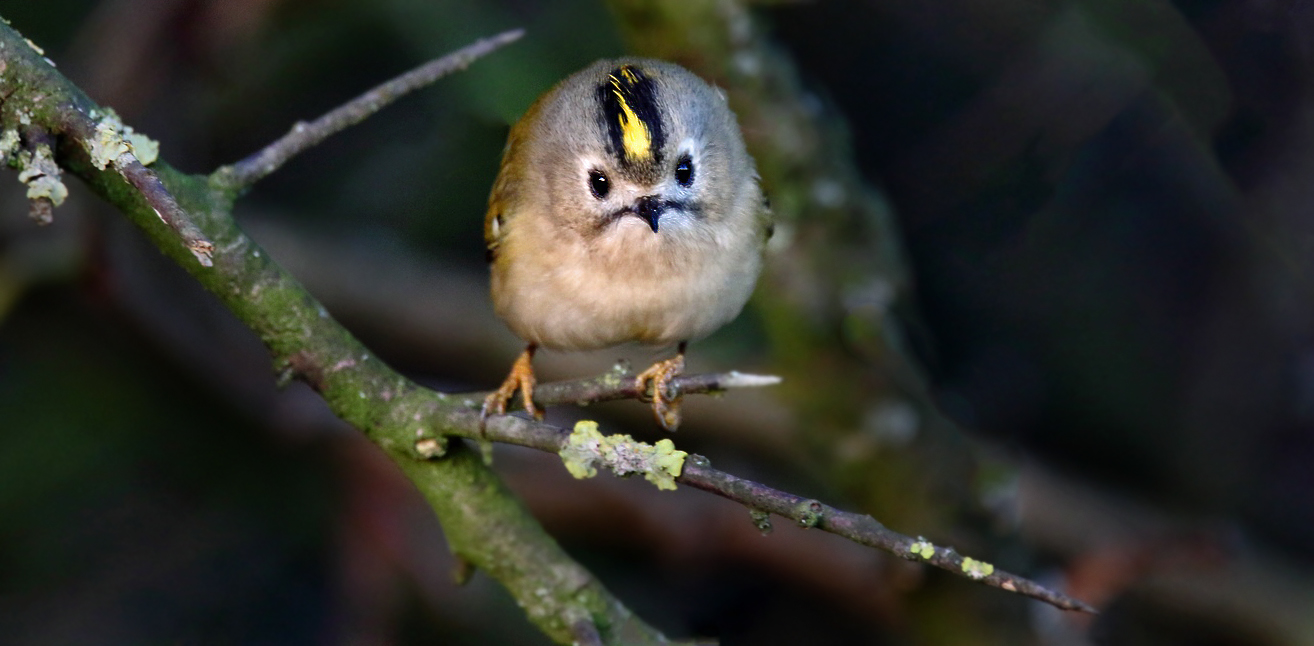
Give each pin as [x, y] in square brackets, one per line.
[587, 449]
[977, 570]
[808, 513]
[922, 548]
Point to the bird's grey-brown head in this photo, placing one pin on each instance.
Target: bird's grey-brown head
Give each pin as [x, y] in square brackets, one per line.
[643, 141]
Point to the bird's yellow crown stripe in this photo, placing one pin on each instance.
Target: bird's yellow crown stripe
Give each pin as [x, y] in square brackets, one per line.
[635, 136]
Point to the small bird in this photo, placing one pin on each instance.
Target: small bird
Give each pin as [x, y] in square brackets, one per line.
[627, 209]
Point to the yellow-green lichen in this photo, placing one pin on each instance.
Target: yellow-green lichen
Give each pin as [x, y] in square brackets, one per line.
[145, 149]
[975, 569]
[922, 548]
[41, 175]
[587, 448]
[108, 143]
[113, 138]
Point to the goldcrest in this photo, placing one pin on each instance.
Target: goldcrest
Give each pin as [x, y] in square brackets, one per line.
[627, 209]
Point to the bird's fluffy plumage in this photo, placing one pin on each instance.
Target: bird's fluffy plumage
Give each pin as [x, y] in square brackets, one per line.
[575, 271]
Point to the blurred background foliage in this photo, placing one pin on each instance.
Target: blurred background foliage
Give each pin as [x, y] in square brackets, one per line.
[1041, 291]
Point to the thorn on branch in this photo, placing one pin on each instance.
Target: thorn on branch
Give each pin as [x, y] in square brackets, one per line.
[242, 175]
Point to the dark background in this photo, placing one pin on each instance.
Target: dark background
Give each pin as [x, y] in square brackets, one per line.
[1100, 216]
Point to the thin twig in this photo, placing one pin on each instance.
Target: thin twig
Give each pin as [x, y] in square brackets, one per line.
[243, 174]
[619, 383]
[698, 473]
[864, 530]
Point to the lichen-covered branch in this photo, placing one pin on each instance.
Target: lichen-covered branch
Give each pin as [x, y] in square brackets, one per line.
[697, 472]
[866, 530]
[241, 175]
[485, 524]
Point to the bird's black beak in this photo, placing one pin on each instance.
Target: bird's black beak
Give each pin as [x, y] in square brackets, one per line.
[650, 208]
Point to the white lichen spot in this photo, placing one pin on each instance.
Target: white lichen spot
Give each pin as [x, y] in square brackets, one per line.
[34, 47]
[977, 570]
[587, 448]
[42, 176]
[361, 393]
[343, 365]
[24, 117]
[922, 548]
[8, 143]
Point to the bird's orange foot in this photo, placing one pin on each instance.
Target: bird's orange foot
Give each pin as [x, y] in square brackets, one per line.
[657, 380]
[520, 378]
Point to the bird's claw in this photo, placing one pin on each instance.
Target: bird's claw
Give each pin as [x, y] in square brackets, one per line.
[657, 381]
[520, 378]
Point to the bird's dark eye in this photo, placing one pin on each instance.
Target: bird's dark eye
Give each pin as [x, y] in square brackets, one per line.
[598, 184]
[684, 172]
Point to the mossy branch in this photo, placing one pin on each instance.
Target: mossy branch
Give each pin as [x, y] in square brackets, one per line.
[485, 524]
